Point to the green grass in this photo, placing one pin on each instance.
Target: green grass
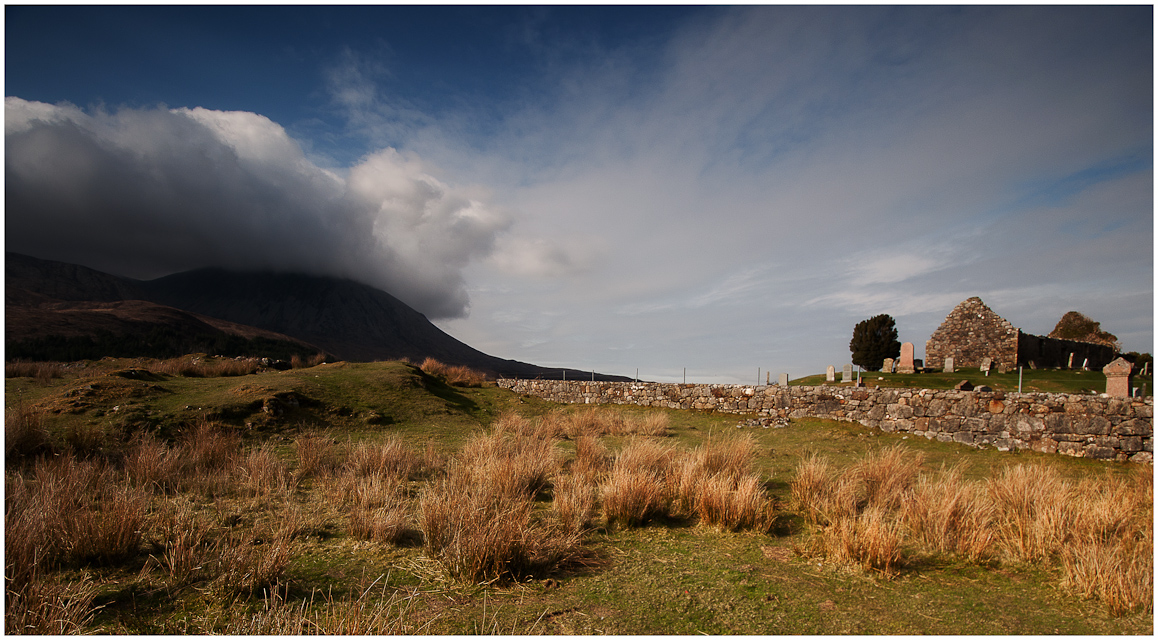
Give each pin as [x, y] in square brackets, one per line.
[669, 577]
[1032, 380]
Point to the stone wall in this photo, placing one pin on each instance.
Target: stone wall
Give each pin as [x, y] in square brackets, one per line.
[1076, 425]
[970, 332]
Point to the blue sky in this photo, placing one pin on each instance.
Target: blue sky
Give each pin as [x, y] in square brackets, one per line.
[721, 189]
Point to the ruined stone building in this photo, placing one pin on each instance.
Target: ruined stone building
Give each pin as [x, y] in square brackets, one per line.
[972, 332]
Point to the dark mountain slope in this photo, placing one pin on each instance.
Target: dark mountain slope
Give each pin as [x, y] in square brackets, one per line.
[59, 311]
[345, 319]
[350, 320]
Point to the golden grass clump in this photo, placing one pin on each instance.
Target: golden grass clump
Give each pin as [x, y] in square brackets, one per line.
[195, 366]
[733, 504]
[1111, 555]
[636, 490]
[509, 463]
[379, 510]
[859, 508]
[812, 487]
[42, 607]
[951, 516]
[42, 371]
[24, 431]
[871, 539]
[71, 512]
[575, 501]
[317, 454]
[250, 563]
[481, 532]
[1033, 515]
[262, 473]
[391, 458]
[457, 375]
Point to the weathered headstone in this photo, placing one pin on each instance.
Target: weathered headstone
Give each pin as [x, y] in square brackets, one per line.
[1086, 364]
[784, 379]
[830, 374]
[1118, 378]
[964, 385]
[948, 365]
[905, 365]
[887, 367]
[846, 373]
[1070, 361]
[986, 364]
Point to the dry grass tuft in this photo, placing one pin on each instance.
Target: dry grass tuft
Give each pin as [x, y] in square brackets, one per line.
[812, 488]
[317, 455]
[575, 501]
[949, 515]
[391, 458]
[205, 367]
[481, 533]
[636, 489]
[42, 371]
[40, 607]
[250, 563]
[871, 539]
[263, 473]
[24, 431]
[1033, 518]
[371, 613]
[510, 463]
[457, 375]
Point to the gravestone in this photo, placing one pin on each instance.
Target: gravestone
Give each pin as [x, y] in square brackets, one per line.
[1070, 361]
[905, 365]
[986, 363]
[948, 365]
[964, 385]
[830, 374]
[846, 373]
[1118, 378]
[784, 379]
[887, 367]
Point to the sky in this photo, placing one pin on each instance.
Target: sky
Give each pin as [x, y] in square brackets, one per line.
[700, 193]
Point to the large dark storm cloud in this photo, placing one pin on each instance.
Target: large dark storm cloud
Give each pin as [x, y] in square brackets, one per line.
[148, 192]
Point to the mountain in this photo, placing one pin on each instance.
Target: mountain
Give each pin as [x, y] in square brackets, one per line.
[347, 320]
[60, 311]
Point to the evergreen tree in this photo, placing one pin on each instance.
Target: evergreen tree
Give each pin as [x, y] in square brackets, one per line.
[873, 340]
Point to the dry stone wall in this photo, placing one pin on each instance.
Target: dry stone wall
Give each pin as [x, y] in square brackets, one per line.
[1076, 425]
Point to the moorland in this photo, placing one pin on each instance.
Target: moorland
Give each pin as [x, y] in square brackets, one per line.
[213, 495]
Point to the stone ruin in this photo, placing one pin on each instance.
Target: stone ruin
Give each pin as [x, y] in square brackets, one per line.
[973, 333]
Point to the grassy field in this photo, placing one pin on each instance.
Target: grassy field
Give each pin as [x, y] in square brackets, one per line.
[1032, 380]
[376, 498]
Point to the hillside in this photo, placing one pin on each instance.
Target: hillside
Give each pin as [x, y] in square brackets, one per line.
[50, 304]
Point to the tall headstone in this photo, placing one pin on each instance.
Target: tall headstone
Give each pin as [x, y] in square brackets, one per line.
[830, 374]
[1118, 378]
[986, 364]
[887, 367]
[784, 379]
[905, 365]
[846, 373]
[948, 365]
[1070, 361]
